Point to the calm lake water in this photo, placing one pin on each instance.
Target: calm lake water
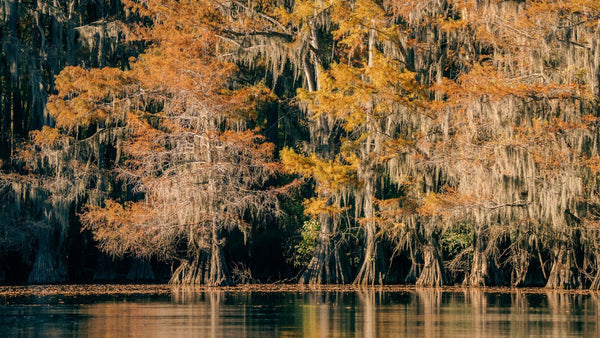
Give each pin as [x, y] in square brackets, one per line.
[152, 311]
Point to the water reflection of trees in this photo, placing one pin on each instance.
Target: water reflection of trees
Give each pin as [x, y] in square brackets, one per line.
[369, 312]
[364, 312]
[479, 308]
[564, 307]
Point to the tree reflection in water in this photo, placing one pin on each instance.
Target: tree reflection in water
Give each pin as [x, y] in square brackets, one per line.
[337, 312]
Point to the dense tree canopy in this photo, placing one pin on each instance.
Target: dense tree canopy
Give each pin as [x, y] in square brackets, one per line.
[429, 142]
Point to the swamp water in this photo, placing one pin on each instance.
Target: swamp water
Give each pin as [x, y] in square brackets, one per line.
[291, 311]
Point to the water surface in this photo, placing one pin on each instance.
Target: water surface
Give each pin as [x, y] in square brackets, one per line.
[259, 311]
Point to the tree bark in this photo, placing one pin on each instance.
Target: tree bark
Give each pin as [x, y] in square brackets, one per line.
[520, 267]
[190, 272]
[328, 265]
[480, 266]
[204, 267]
[563, 274]
[595, 286]
[140, 270]
[479, 269]
[218, 269]
[47, 268]
[433, 268]
[371, 270]
[373, 266]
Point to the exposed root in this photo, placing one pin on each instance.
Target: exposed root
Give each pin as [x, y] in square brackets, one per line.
[595, 286]
[205, 269]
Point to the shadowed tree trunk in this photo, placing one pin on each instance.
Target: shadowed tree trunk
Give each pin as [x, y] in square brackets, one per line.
[520, 267]
[105, 268]
[415, 267]
[140, 270]
[47, 267]
[328, 265]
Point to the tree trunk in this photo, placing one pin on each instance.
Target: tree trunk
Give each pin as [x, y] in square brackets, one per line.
[272, 131]
[479, 270]
[563, 274]
[105, 268]
[218, 269]
[480, 266]
[327, 265]
[595, 286]
[371, 45]
[190, 272]
[140, 270]
[373, 266]
[371, 270]
[520, 268]
[433, 268]
[47, 268]
[206, 268]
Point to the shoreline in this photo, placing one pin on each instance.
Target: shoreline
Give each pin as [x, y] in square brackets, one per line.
[168, 289]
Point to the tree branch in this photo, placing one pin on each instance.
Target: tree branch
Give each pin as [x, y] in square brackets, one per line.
[517, 203]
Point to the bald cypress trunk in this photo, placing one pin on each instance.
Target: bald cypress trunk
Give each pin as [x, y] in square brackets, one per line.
[481, 267]
[595, 285]
[328, 265]
[415, 267]
[564, 273]
[203, 266]
[49, 266]
[190, 271]
[433, 273]
[520, 267]
[218, 269]
[373, 268]
[140, 270]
